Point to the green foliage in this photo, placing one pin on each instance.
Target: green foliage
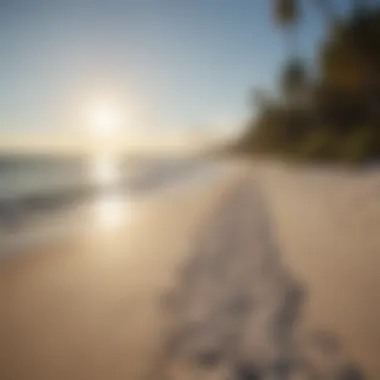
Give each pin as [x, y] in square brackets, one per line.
[358, 145]
[350, 59]
[293, 78]
[342, 120]
[316, 145]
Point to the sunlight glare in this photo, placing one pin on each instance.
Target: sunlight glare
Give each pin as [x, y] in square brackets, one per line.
[104, 170]
[105, 119]
[110, 212]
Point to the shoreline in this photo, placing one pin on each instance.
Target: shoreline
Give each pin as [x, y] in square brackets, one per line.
[90, 308]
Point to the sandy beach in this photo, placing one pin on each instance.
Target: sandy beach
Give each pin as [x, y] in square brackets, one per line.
[91, 307]
[327, 223]
[88, 307]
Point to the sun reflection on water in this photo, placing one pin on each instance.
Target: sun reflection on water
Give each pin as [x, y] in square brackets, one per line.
[111, 211]
[111, 207]
[104, 170]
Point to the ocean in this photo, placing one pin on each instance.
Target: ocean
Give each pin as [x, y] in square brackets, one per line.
[32, 184]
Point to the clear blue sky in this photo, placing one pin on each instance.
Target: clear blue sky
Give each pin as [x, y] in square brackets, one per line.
[180, 63]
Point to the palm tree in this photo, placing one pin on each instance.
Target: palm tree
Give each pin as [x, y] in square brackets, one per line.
[293, 80]
[293, 74]
[328, 11]
[287, 15]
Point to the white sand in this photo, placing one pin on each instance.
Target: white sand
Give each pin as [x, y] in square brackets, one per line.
[328, 223]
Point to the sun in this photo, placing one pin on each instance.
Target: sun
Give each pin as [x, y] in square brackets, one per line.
[105, 119]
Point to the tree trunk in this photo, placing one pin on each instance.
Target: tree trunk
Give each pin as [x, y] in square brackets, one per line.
[291, 42]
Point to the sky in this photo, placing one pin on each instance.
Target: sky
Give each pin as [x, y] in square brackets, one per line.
[172, 66]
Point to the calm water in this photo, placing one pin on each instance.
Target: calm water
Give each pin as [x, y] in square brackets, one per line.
[46, 199]
[32, 184]
[25, 175]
